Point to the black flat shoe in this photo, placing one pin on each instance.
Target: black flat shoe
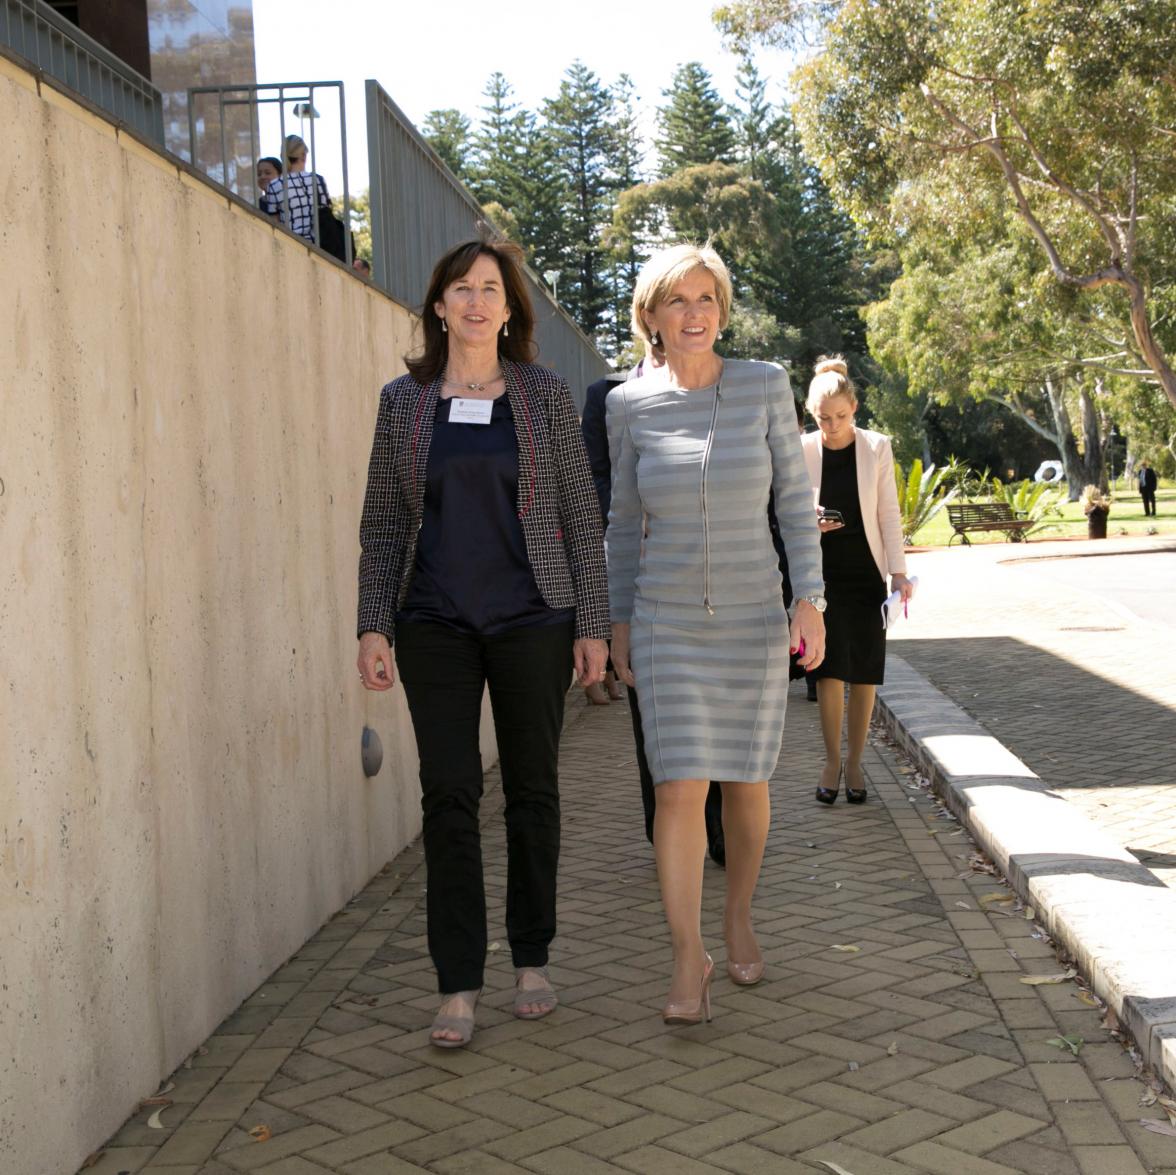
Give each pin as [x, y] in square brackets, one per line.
[828, 795]
[855, 795]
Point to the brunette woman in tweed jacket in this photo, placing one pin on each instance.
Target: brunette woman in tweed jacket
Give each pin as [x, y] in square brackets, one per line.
[482, 561]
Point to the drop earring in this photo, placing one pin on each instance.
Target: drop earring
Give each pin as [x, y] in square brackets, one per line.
[444, 328]
[505, 331]
[655, 339]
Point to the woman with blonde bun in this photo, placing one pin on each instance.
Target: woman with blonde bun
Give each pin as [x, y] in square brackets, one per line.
[698, 619]
[852, 472]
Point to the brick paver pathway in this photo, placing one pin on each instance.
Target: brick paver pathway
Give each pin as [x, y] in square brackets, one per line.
[912, 1048]
[1081, 691]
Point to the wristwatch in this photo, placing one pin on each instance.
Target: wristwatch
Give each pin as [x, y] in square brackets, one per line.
[817, 602]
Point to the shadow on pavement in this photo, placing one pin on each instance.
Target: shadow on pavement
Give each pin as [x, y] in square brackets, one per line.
[1073, 728]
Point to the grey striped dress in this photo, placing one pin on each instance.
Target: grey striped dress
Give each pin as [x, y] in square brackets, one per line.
[691, 472]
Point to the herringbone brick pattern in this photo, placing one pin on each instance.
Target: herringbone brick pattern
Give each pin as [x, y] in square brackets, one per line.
[890, 1035]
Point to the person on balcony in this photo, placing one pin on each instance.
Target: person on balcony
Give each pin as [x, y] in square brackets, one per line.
[269, 169]
[482, 560]
[291, 197]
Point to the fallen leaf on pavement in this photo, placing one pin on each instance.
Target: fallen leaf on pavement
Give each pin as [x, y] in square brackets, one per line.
[963, 905]
[166, 1088]
[154, 1101]
[846, 947]
[494, 946]
[1158, 1127]
[1073, 1043]
[1030, 913]
[1148, 1097]
[1038, 980]
[155, 1122]
[1003, 898]
[893, 1049]
[261, 1133]
[836, 1168]
[854, 1066]
[837, 885]
[1086, 998]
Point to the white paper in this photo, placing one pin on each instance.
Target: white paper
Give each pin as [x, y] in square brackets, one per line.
[892, 609]
[466, 411]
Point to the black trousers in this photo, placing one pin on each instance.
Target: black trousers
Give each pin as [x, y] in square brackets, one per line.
[1149, 501]
[714, 795]
[444, 672]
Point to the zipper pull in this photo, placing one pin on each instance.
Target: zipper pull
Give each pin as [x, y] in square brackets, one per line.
[709, 609]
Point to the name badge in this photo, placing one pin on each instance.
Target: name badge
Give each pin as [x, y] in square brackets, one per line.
[464, 411]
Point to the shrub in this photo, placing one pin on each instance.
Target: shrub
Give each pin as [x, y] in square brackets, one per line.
[1030, 499]
[922, 493]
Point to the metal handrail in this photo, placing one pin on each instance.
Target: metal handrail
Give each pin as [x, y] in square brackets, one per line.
[59, 49]
[255, 97]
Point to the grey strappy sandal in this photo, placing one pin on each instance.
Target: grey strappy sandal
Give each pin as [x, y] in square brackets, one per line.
[544, 997]
[463, 1025]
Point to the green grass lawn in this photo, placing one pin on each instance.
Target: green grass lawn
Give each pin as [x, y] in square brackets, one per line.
[1126, 516]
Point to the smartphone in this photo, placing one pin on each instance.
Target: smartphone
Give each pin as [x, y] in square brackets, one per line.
[831, 516]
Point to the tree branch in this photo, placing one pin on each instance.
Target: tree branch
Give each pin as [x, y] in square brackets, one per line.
[1013, 404]
[1112, 238]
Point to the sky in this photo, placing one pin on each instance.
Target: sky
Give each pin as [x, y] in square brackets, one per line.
[439, 54]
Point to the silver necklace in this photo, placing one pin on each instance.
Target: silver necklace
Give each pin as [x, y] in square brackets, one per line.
[474, 387]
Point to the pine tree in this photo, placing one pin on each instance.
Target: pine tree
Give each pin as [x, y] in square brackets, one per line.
[542, 200]
[627, 153]
[695, 127]
[579, 131]
[448, 133]
[499, 148]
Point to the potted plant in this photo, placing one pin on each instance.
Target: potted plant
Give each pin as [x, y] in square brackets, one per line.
[1096, 506]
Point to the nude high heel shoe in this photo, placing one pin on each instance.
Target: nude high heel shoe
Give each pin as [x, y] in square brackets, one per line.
[745, 974]
[693, 1011]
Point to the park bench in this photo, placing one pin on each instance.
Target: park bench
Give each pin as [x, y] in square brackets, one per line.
[966, 516]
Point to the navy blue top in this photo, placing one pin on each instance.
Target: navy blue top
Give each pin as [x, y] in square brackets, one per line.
[472, 571]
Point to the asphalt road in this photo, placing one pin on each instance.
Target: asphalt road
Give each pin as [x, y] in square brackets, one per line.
[1144, 583]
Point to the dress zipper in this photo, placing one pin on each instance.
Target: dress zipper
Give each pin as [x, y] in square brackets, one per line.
[710, 439]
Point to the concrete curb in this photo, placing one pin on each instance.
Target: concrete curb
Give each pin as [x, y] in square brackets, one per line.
[1114, 917]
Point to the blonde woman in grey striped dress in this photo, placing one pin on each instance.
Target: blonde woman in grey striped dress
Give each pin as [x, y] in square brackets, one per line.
[699, 625]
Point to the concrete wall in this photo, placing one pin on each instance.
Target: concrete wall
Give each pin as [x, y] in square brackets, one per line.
[186, 408]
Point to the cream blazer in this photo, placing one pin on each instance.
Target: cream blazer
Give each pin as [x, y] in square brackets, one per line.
[877, 494]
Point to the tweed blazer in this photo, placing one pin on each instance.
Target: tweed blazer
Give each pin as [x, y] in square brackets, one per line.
[877, 494]
[556, 503]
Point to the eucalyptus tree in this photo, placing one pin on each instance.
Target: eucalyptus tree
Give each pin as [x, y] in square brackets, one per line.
[1063, 113]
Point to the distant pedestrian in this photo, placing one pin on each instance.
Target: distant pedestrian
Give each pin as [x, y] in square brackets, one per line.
[852, 472]
[482, 561]
[1147, 488]
[291, 197]
[362, 267]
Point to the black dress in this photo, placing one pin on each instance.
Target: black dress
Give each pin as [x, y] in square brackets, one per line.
[855, 641]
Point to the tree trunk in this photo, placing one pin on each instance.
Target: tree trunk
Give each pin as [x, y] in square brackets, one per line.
[1064, 439]
[1093, 464]
[1152, 352]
